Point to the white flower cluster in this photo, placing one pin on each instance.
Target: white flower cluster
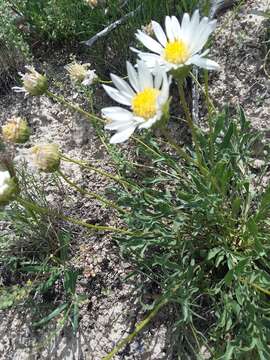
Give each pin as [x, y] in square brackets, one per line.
[147, 93]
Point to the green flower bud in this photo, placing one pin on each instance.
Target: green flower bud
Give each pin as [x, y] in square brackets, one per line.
[46, 157]
[34, 83]
[16, 130]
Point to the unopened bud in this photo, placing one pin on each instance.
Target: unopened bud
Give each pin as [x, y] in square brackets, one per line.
[46, 157]
[34, 83]
[16, 130]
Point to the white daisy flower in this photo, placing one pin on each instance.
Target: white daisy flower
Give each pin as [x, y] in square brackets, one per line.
[145, 96]
[180, 45]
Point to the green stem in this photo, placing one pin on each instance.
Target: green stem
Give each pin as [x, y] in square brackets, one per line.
[191, 125]
[139, 327]
[46, 211]
[98, 171]
[74, 107]
[209, 117]
[90, 193]
[175, 146]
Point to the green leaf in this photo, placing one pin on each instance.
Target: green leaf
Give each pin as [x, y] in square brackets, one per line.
[64, 239]
[236, 204]
[227, 138]
[70, 280]
[218, 126]
[52, 315]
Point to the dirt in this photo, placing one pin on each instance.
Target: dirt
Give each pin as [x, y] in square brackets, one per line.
[112, 310]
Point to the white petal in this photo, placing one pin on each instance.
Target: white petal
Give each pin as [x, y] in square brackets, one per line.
[145, 77]
[203, 62]
[122, 85]
[119, 126]
[148, 42]
[158, 76]
[202, 34]
[169, 28]
[133, 77]
[151, 60]
[164, 93]
[123, 135]
[185, 27]
[176, 28]
[159, 33]
[192, 28]
[116, 113]
[147, 124]
[117, 96]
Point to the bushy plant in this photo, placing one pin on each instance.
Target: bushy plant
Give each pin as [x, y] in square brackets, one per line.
[13, 48]
[35, 260]
[195, 217]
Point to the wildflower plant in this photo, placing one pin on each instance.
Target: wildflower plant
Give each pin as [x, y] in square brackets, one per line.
[196, 219]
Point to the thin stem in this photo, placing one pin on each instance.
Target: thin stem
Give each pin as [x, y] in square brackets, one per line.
[145, 145]
[90, 193]
[203, 90]
[138, 328]
[191, 125]
[210, 122]
[45, 211]
[77, 108]
[98, 171]
[175, 146]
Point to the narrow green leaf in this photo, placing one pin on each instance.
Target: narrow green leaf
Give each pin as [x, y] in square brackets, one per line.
[52, 315]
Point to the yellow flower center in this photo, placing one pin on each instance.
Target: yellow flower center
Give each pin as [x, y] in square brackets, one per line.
[176, 52]
[144, 104]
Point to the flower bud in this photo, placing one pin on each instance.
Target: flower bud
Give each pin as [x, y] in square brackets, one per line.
[16, 130]
[34, 83]
[8, 187]
[148, 29]
[95, 3]
[46, 157]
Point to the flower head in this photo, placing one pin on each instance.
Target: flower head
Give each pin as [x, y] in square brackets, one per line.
[34, 83]
[180, 44]
[46, 157]
[81, 74]
[95, 3]
[146, 97]
[16, 130]
[8, 187]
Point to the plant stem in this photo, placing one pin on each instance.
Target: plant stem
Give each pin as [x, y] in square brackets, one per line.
[74, 107]
[45, 211]
[90, 193]
[139, 327]
[175, 146]
[209, 117]
[191, 125]
[98, 171]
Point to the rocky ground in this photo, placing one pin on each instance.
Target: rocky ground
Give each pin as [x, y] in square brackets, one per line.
[111, 310]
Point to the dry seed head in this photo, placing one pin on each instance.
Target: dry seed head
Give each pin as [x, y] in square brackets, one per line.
[16, 130]
[46, 157]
